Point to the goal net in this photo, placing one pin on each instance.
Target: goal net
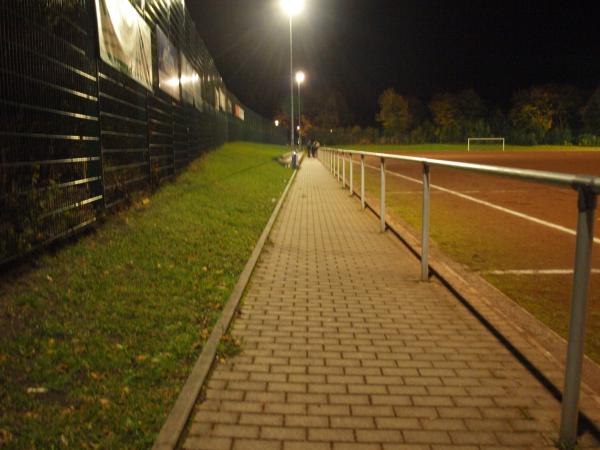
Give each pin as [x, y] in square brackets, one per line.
[489, 143]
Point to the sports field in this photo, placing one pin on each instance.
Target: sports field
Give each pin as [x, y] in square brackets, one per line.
[519, 236]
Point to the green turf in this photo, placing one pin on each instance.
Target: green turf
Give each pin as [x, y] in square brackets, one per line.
[97, 339]
[463, 148]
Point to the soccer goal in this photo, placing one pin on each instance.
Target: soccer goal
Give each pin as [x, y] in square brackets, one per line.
[487, 141]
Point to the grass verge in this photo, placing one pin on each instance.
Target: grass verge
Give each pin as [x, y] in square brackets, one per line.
[97, 339]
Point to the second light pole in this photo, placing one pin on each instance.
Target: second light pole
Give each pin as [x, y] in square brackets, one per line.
[292, 8]
[299, 79]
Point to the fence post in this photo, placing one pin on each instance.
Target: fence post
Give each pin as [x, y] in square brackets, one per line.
[331, 167]
[337, 154]
[362, 182]
[382, 198]
[583, 251]
[331, 163]
[425, 226]
[351, 176]
[343, 170]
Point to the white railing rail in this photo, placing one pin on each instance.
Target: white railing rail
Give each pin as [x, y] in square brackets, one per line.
[588, 187]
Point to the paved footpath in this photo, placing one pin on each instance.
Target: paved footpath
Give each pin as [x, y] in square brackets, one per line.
[344, 348]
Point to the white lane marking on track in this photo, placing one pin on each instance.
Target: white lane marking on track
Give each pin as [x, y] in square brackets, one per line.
[534, 272]
[490, 205]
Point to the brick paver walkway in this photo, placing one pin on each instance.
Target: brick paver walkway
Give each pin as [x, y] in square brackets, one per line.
[344, 348]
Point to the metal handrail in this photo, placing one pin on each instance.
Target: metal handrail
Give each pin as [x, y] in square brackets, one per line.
[587, 186]
[573, 181]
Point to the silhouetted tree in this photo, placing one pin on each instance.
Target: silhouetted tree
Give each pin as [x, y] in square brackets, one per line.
[393, 114]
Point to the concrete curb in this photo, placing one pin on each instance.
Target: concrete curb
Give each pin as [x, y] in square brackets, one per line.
[506, 319]
[173, 427]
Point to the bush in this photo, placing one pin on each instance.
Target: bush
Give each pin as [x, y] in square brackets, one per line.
[559, 136]
[519, 137]
[589, 140]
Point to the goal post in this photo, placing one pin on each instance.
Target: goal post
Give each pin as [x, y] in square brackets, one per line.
[487, 139]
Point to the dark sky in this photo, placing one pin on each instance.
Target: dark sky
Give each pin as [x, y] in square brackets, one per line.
[419, 47]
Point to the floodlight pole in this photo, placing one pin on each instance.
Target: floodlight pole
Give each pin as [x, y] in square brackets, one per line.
[291, 89]
[299, 119]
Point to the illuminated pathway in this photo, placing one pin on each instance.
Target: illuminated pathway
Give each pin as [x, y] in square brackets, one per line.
[344, 348]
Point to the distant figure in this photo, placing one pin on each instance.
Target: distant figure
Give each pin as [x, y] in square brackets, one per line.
[309, 146]
[314, 148]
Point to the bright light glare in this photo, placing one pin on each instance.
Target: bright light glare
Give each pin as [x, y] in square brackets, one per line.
[298, 128]
[300, 77]
[292, 7]
[277, 123]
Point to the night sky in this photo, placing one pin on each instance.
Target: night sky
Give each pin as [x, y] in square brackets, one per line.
[419, 47]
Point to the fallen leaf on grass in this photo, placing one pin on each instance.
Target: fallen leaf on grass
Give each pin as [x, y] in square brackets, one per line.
[95, 375]
[49, 278]
[5, 436]
[145, 201]
[67, 411]
[37, 390]
[104, 402]
[141, 357]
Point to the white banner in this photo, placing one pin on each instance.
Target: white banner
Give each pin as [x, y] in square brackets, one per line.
[168, 65]
[125, 40]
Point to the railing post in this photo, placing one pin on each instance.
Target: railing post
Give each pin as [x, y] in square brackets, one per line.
[362, 182]
[337, 153]
[425, 226]
[583, 253]
[343, 170]
[382, 197]
[351, 176]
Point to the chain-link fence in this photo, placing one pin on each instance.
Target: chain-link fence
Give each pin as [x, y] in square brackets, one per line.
[79, 132]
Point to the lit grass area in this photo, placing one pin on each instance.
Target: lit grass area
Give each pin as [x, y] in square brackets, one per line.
[388, 148]
[97, 339]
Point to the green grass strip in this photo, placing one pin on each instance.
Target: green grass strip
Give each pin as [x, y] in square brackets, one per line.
[97, 340]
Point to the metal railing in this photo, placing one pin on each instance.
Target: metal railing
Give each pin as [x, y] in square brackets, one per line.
[587, 188]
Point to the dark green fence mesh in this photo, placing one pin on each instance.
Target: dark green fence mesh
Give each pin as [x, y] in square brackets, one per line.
[78, 136]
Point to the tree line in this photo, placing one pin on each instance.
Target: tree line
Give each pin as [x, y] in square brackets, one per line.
[546, 114]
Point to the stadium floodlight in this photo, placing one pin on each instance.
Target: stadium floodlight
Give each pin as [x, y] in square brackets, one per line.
[487, 139]
[292, 7]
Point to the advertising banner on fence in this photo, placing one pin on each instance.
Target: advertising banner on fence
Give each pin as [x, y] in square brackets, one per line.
[168, 65]
[125, 40]
[239, 112]
[187, 80]
[197, 88]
